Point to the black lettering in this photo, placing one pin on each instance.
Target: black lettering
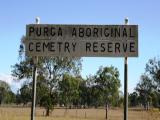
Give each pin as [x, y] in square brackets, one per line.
[117, 32]
[117, 47]
[132, 46]
[130, 33]
[30, 49]
[38, 45]
[66, 47]
[59, 32]
[95, 32]
[31, 30]
[59, 46]
[112, 32]
[106, 33]
[45, 31]
[38, 31]
[110, 47]
[88, 46]
[103, 47]
[95, 46]
[125, 47]
[53, 31]
[74, 46]
[46, 45]
[52, 46]
[88, 32]
[74, 33]
[81, 32]
[124, 32]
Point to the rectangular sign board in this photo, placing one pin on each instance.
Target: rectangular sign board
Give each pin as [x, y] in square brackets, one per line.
[81, 40]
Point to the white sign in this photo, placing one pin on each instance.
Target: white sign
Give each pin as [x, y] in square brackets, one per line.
[82, 40]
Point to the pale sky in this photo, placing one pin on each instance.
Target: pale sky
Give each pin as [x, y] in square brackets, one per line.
[14, 15]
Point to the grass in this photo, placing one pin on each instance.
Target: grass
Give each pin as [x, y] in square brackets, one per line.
[8, 113]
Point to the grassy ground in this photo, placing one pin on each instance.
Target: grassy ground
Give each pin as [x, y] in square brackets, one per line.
[7, 113]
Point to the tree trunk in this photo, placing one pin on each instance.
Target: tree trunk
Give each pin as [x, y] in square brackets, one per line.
[106, 110]
[147, 106]
[47, 111]
[65, 113]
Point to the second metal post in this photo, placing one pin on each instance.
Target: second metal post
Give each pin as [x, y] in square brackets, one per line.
[34, 89]
[126, 84]
[125, 90]
[35, 61]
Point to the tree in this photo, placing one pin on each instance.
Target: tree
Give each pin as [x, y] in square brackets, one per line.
[144, 89]
[153, 70]
[107, 80]
[42, 90]
[54, 68]
[48, 101]
[69, 90]
[155, 99]
[18, 98]
[85, 94]
[50, 68]
[94, 96]
[6, 95]
[25, 93]
[4, 88]
[133, 99]
[10, 97]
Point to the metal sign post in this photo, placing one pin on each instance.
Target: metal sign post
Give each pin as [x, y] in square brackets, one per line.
[126, 84]
[35, 61]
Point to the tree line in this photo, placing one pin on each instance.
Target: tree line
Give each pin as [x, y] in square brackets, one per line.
[68, 89]
[59, 83]
[147, 91]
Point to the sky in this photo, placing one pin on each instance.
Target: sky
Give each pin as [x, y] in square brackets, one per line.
[15, 14]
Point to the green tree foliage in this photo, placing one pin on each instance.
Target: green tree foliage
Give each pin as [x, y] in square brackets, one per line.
[48, 101]
[25, 93]
[103, 87]
[18, 98]
[50, 69]
[107, 81]
[148, 88]
[153, 70]
[93, 94]
[54, 68]
[23, 69]
[84, 95]
[46, 97]
[145, 88]
[133, 99]
[42, 90]
[69, 90]
[6, 95]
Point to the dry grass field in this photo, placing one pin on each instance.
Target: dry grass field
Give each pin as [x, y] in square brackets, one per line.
[8, 113]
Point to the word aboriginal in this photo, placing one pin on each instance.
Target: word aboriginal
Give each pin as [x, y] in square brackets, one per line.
[82, 40]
